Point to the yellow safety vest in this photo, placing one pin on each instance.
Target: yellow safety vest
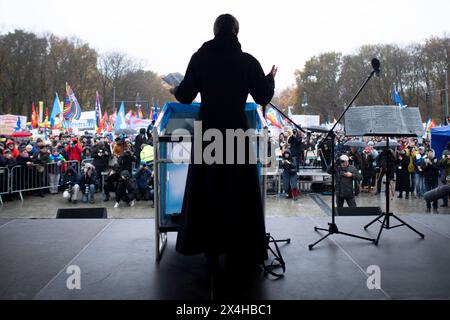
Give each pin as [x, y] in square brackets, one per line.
[147, 154]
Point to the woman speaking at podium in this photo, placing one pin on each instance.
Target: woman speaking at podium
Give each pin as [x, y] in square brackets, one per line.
[222, 212]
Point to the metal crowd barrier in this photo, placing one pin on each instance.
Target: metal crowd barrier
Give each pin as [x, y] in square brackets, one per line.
[34, 177]
[4, 182]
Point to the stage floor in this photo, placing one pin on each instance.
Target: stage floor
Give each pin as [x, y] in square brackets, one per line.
[116, 259]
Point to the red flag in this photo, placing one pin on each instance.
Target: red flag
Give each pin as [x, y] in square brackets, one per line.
[34, 116]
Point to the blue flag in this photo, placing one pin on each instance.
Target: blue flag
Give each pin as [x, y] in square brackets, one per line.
[56, 110]
[120, 120]
[397, 100]
[155, 112]
[18, 125]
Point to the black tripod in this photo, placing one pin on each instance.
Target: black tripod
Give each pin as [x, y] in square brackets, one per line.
[333, 229]
[387, 214]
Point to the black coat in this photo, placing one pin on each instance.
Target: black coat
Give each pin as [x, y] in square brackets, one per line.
[100, 161]
[210, 222]
[402, 180]
[296, 145]
[367, 167]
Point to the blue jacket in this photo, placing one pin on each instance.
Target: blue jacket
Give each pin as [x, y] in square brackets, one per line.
[143, 177]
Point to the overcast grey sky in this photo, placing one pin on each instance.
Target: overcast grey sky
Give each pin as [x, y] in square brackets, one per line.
[163, 34]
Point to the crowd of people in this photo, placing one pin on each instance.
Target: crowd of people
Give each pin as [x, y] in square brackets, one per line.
[123, 166]
[363, 166]
[81, 166]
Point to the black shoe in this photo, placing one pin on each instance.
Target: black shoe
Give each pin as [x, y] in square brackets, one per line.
[106, 199]
[428, 210]
[444, 205]
[407, 196]
[400, 197]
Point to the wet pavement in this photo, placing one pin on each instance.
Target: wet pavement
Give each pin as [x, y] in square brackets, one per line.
[308, 204]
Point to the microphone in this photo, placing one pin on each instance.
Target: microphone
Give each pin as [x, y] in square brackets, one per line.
[376, 66]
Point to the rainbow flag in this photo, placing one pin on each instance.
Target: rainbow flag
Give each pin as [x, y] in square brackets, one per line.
[274, 118]
[430, 124]
[72, 109]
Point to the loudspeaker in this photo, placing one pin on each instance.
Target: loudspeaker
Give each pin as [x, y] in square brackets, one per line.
[358, 211]
[82, 213]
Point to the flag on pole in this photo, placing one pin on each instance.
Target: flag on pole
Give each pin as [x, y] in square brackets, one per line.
[18, 125]
[98, 113]
[41, 113]
[397, 100]
[274, 118]
[72, 109]
[56, 110]
[120, 120]
[46, 121]
[34, 116]
[155, 112]
[429, 125]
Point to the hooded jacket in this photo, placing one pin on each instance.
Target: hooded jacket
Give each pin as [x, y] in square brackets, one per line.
[14, 152]
[70, 176]
[74, 153]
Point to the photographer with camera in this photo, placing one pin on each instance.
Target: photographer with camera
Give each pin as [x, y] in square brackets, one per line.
[346, 174]
[126, 189]
[87, 183]
[111, 180]
[69, 179]
[74, 150]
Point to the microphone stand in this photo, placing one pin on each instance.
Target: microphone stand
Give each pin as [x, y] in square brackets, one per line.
[333, 229]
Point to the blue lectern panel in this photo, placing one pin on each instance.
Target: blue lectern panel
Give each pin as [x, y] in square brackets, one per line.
[180, 116]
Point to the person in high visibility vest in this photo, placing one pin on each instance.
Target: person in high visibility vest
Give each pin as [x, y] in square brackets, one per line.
[146, 153]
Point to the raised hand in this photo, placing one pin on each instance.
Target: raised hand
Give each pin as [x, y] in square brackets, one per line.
[274, 71]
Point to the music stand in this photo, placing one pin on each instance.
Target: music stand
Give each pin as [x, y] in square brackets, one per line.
[333, 228]
[387, 214]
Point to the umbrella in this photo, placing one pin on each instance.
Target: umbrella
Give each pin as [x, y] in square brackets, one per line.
[21, 134]
[125, 131]
[353, 143]
[392, 144]
[317, 129]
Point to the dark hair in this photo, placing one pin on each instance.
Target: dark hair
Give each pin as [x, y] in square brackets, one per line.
[226, 24]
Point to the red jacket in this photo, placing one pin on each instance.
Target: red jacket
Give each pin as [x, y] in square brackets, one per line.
[14, 152]
[75, 152]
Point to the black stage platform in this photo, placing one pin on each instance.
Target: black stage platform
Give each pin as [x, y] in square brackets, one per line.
[116, 258]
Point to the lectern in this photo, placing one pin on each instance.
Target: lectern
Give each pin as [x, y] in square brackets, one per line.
[172, 150]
